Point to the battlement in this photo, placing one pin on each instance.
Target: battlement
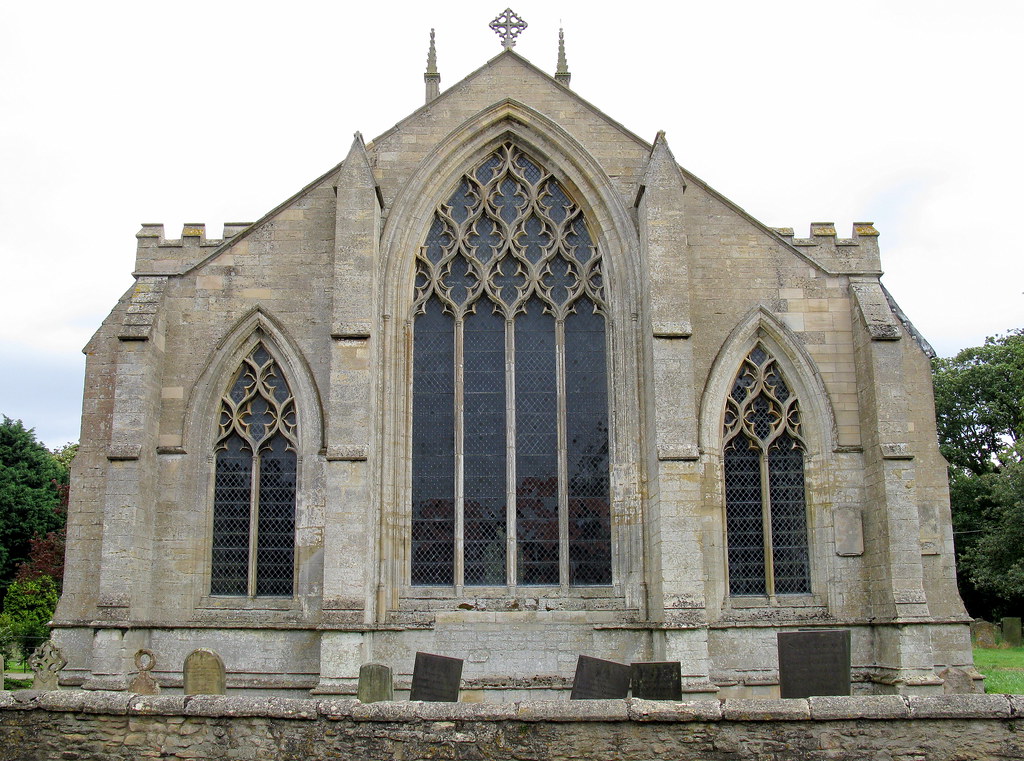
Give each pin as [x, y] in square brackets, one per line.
[157, 255]
[857, 254]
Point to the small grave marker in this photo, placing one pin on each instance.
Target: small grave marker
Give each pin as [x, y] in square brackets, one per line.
[597, 679]
[1011, 632]
[984, 633]
[47, 662]
[656, 681]
[144, 683]
[436, 678]
[814, 663]
[203, 673]
[375, 683]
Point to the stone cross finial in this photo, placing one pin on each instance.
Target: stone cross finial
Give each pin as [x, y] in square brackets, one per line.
[508, 25]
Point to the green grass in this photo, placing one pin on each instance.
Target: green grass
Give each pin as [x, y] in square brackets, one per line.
[1003, 669]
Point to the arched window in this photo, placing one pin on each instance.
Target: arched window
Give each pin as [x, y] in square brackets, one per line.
[254, 487]
[766, 517]
[510, 408]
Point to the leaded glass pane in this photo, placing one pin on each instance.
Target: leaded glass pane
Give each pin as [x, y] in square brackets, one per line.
[590, 545]
[433, 448]
[275, 545]
[229, 573]
[743, 515]
[536, 447]
[762, 424]
[484, 484]
[509, 239]
[789, 517]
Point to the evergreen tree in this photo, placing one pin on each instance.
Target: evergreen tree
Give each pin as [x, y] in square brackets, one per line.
[30, 477]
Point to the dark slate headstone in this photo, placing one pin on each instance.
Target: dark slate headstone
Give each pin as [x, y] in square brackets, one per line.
[656, 681]
[597, 679]
[1011, 632]
[436, 678]
[814, 663]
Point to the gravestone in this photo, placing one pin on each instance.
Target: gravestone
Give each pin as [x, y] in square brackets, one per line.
[46, 663]
[203, 673]
[814, 663]
[598, 679]
[436, 678]
[1011, 632]
[983, 633]
[956, 681]
[144, 683]
[376, 684]
[656, 681]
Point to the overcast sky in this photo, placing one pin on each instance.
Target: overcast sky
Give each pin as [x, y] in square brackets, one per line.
[907, 114]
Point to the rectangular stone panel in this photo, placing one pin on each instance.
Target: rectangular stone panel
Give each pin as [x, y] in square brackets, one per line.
[598, 679]
[656, 681]
[814, 663]
[436, 678]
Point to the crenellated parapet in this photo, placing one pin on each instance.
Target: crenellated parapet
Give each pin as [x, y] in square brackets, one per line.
[157, 255]
[854, 255]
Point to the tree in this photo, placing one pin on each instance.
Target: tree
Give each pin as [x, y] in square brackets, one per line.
[30, 477]
[28, 608]
[979, 398]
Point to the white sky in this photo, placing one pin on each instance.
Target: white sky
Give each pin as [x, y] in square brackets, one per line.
[906, 113]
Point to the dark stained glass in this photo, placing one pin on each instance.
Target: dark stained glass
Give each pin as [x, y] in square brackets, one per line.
[433, 447]
[536, 447]
[231, 501]
[789, 517]
[275, 545]
[590, 545]
[484, 483]
[489, 245]
[743, 514]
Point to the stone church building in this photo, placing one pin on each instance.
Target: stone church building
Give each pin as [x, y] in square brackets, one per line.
[508, 384]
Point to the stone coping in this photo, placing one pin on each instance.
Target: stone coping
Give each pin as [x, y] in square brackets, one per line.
[878, 707]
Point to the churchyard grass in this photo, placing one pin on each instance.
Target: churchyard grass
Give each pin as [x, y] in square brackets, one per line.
[1003, 668]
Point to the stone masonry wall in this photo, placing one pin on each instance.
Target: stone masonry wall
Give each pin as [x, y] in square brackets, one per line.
[84, 726]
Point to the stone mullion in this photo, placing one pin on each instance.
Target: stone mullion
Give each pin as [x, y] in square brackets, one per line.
[511, 510]
[563, 459]
[254, 519]
[460, 458]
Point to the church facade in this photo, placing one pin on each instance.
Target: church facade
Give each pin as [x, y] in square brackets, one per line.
[510, 385]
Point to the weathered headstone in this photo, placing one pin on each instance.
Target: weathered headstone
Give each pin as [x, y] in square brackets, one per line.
[203, 673]
[814, 663]
[436, 678]
[597, 679]
[956, 681]
[1011, 632]
[144, 683]
[983, 633]
[656, 681]
[376, 684]
[47, 662]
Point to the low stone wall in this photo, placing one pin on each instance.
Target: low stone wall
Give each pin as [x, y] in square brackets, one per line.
[83, 726]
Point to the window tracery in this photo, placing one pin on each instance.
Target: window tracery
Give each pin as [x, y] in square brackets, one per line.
[254, 483]
[510, 420]
[766, 520]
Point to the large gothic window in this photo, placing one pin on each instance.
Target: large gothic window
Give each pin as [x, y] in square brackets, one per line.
[254, 485]
[766, 518]
[510, 409]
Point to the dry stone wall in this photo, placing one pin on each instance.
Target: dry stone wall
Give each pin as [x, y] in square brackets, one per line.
[87, 726]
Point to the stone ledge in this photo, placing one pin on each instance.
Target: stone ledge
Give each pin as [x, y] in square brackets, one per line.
[861, 707]
[877, 707]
